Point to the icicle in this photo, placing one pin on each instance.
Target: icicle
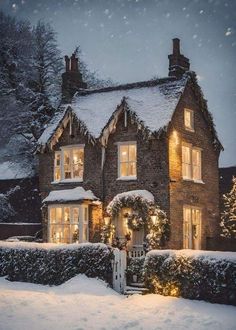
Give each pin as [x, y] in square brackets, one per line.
[103, 157]
[125, 118]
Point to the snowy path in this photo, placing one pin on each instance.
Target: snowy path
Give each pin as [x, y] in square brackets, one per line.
[84, 303]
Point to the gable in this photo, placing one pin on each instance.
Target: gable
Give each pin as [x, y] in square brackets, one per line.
[151, 103]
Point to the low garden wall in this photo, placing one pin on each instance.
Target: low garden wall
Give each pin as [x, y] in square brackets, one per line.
[201, 275]
[54, 264]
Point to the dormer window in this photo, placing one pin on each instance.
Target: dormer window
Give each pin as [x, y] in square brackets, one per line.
[127, 160]
[69, 164]
[189, 119]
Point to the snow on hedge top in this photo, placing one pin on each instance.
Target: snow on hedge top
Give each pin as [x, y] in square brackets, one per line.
[75, 194]
[153, 105]
[208, 255]
[49, 246]
[10, 171]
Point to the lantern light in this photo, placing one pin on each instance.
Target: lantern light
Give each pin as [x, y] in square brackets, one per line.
[107, 220]
[154, 219]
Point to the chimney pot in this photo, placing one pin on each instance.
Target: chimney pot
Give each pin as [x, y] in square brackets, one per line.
[176, 46]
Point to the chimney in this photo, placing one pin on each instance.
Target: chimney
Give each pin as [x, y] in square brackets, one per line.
[178, 63]
[71, 79]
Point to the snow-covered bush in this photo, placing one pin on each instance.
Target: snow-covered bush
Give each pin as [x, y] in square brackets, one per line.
[53, 264]
[201, 275]
[135, 267]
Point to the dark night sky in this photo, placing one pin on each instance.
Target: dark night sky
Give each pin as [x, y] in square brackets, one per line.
[130, 40]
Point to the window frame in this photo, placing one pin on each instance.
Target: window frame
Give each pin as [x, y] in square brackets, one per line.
[127, 177]
[192, 149]
[189, 240]
[81, 213]
[62, 151]
[191, 128]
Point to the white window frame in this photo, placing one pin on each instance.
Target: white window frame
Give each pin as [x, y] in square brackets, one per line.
[188, 243]
[128, 177]
[191, 128]
[83, 209]
[62, 150]
[192, 148]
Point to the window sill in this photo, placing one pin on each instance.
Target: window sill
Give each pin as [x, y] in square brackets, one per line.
[127, 178]
[194, 181]
[67, 181]
[189, 129]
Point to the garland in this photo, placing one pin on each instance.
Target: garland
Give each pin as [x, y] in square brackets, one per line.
[143, 213]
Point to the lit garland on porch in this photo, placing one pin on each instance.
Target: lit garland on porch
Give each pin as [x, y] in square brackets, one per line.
[145, 215]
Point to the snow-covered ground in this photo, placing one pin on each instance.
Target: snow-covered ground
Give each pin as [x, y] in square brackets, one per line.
[84, 303]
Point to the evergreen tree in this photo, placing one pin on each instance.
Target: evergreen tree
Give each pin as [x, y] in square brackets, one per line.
[228, 217]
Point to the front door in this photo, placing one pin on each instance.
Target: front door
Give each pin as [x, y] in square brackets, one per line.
[192, 228]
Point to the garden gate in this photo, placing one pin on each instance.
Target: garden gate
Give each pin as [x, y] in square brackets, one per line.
[119, 270]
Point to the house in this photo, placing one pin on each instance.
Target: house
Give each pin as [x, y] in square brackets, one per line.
[111, 154]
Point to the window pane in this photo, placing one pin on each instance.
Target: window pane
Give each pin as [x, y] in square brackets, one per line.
[123, 169]
[186, 162]
[66, 215]
[188, 118]
[75, 215]
[52, 215]
[86, 215]
[74, 233]
[132, 169]
[57, 174]
[196, 156]
[132, 153]
[57, 159]
[78, 163]
[67, 166]
[124, 153]
[58, 215]
[66, 234]
[85, 233]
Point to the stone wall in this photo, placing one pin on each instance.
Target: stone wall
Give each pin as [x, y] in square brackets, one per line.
[204, 195]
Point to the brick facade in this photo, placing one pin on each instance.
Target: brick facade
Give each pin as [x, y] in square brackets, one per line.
[159, 170]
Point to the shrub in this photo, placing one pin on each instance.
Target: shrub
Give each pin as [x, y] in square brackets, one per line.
[201, 275]
[135, 267]
[54, 264]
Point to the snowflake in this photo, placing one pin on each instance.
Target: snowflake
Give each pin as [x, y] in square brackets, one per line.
[228, 32]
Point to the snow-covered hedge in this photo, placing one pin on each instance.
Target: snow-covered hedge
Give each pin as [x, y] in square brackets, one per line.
[202, 275]
[53, 264]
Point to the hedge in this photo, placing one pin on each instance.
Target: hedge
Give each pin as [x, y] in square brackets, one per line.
[54, 264]
[201, 275]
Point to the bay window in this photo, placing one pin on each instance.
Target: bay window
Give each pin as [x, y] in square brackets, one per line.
[69, 163]
[191, 163]
[68, 223]
[127, 160]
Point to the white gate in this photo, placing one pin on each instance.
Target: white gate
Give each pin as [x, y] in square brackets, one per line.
[119, 270]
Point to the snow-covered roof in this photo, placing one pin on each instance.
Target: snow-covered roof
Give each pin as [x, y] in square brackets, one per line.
[144, 194]
[153, 102]
[69, 195]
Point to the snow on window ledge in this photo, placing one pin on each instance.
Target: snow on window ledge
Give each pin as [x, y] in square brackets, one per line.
[126, 178]
[67, 181]
[194, 181]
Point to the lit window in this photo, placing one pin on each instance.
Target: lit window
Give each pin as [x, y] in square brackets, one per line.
[68, 224]
[189, 119]
[191, 163]
[69, 163]
[192, 228]
[127, 160]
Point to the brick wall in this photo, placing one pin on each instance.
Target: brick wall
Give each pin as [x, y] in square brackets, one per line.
[205, 196]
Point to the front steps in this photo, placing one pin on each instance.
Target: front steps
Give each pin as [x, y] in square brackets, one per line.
[135, 288]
